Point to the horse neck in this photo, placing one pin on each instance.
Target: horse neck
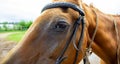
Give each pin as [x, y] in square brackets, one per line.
[105, 43]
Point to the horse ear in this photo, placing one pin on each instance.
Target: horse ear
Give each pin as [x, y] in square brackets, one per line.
[77, 2]
[91, 5]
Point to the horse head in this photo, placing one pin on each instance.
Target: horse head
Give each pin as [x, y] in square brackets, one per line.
[45, 40]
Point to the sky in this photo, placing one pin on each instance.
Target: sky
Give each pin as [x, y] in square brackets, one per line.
[16, 10]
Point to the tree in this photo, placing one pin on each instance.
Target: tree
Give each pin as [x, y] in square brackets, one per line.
[0, 28]
[5, 26]
[22, 24]
[28, 24]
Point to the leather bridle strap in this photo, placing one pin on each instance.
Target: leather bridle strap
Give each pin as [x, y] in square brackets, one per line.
[89, 49]
[64, 5]
[75, 27]
[118, 40]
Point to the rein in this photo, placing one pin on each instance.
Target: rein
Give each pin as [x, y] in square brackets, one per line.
[118, 44]
[89, 49]
[118, 40]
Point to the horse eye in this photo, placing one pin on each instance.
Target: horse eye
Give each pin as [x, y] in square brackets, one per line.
[60, 26]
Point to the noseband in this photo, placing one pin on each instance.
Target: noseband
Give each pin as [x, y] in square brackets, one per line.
[79, 21]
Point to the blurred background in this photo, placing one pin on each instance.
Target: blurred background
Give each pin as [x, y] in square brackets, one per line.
[17, 15]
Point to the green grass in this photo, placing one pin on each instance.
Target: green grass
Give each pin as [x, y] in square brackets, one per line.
[3, 31]
[16, 36]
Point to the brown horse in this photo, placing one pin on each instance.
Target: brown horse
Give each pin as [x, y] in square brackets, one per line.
[47, 36]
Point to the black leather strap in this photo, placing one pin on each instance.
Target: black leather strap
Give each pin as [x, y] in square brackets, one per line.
[64, 5]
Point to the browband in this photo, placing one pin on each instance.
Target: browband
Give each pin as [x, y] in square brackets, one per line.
[64, 5]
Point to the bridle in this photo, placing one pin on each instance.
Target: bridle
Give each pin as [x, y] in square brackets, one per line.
[76, 26]
[79, 21]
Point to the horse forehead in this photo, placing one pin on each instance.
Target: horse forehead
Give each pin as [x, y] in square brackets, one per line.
[53, 13]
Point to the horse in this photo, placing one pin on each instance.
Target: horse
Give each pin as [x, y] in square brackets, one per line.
[46, 38]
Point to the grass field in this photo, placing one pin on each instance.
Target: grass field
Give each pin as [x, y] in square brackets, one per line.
[16, 36]
[9, 31]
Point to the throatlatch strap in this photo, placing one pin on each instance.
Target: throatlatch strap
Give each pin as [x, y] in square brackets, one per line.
[89, 49]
